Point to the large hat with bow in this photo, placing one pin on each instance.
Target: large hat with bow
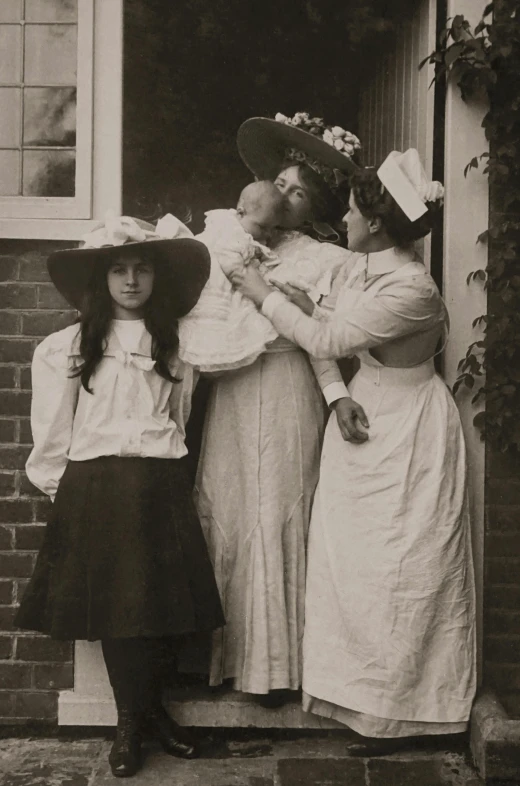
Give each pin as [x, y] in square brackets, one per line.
[170, 242]
[265, 145]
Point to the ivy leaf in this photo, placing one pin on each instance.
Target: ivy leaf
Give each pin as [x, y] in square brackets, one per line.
[458, 27]
[473, 164]
[479, 420]
[429, 59]
[453, 52]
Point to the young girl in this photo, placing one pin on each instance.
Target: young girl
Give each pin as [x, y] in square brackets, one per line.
[124, 559]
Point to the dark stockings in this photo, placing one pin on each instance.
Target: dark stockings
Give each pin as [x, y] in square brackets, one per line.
[137, 669]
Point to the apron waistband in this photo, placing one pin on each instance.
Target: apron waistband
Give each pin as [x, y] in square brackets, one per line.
[397, 377]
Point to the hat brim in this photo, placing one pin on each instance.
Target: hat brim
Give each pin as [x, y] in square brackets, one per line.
[189, 261]
[263, 144]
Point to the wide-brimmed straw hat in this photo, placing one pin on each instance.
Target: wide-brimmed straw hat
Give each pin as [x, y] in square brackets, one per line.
[170, 243]
[265, 145]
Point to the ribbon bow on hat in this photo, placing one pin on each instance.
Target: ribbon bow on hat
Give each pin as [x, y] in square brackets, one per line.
[116, 231]
[169, 227]
[119, 230]
[403, 176]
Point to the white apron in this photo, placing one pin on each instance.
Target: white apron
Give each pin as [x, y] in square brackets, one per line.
[389, 643]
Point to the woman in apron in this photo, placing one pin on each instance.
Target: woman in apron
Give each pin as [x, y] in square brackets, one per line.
[389, 644]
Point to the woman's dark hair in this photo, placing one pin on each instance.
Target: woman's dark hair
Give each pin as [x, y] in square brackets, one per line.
[327, 206]
[96, 316]
[374, 201]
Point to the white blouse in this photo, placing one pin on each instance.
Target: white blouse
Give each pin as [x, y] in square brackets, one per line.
[132, 411]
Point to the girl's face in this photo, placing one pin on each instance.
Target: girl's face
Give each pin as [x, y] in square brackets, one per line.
[130, 283]
[298, 207]
[358, 228]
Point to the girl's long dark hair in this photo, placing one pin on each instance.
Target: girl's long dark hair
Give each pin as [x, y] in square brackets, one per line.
[96, 316]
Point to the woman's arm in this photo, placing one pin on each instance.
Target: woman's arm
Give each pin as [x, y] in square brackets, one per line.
[54, 400]
[400, 309]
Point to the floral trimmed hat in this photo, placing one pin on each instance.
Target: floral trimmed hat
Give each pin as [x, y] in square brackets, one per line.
[265, 145]
[170, 242]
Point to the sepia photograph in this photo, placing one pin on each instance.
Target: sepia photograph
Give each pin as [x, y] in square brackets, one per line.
[260, 392]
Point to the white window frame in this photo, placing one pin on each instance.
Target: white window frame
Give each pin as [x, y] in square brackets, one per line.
[99, 137]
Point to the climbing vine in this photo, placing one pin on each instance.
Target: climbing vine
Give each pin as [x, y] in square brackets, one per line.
[485, 60]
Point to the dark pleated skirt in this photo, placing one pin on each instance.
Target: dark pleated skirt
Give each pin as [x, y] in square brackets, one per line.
[123, 555]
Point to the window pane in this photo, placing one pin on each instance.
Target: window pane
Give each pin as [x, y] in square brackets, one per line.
[9, 168]
[51, 10]
[49, 173]
[10, 10]
[50, 116]
[50, 54]
[9, 117]
[10, 51]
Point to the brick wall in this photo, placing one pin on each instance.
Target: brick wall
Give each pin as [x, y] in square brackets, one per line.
[502, 578]
[32, 667]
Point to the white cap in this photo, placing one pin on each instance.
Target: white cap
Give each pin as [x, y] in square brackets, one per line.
[403, 176]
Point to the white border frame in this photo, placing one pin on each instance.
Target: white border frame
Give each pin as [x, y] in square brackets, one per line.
[105, 168]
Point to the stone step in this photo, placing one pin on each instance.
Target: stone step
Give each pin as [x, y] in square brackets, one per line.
[203, 707]
[196, 706]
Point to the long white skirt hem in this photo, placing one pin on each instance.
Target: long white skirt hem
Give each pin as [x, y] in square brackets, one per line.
[372, 726]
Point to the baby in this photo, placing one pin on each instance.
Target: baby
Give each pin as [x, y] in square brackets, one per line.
[225, 331]
[260, 209]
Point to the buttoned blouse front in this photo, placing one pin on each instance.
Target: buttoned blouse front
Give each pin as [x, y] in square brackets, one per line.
[132, 411]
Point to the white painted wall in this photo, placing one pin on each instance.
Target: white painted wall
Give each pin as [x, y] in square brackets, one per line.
[465, 217]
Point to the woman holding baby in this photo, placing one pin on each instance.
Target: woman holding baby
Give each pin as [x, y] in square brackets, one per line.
[262, 439]
[389, 645]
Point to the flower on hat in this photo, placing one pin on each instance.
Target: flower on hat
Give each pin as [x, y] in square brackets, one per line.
[344, 141]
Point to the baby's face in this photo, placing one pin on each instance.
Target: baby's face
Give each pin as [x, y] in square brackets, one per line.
[261, 218]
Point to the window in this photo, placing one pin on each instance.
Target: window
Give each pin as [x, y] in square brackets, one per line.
[60, 115]
[45, 85]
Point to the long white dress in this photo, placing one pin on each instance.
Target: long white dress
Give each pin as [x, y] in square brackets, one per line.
[389, 645]
[256, 479]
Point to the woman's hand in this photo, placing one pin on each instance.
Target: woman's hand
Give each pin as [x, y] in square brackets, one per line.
[250, 283]
[351, 418]
[296, 296]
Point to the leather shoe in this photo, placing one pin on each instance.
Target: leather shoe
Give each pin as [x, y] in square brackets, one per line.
[273, 700]
[174, 740]
[125, 755]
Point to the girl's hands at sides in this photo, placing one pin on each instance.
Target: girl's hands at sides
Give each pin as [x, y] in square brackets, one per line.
[250, 283]
[296, 296]
[352, 421]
